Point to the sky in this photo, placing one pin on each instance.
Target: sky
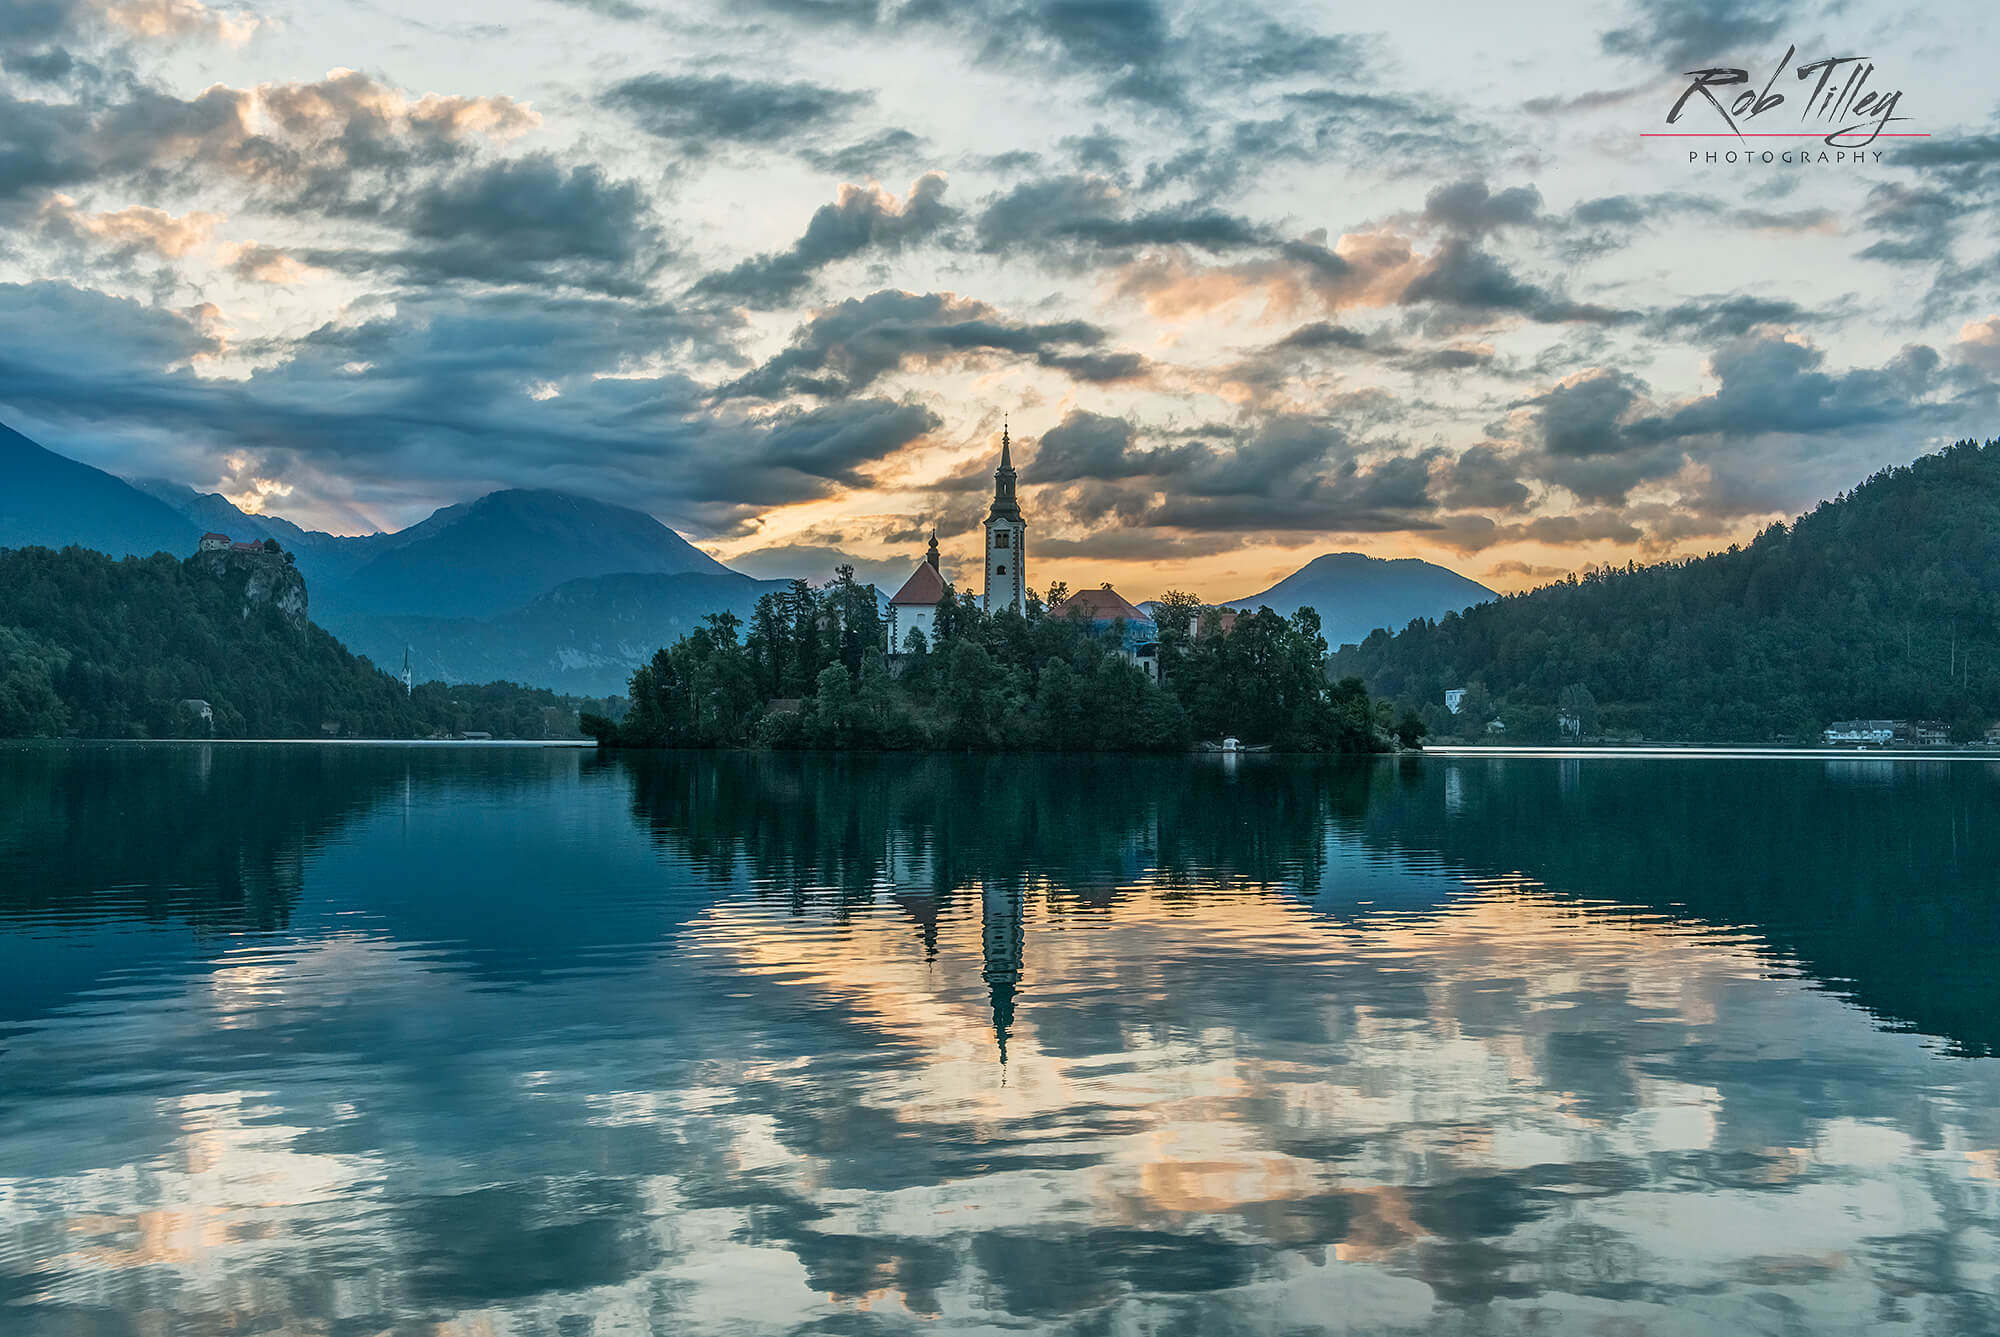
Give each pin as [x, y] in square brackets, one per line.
[1247, 283]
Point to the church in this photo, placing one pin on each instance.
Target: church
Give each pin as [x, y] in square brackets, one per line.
[913, 610]
[914, 607]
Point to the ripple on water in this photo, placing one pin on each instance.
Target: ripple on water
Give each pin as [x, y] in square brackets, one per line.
[722, 1044]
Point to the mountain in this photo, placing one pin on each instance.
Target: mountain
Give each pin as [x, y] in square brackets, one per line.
[470, 560]
[507, 548]
[1883, 603]
[50, 501]
[1354, 593]
[584, 637]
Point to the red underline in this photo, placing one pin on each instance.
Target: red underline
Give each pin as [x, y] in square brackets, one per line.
[1768, 134]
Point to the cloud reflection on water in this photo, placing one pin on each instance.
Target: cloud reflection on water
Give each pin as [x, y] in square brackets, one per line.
[1275, 1060]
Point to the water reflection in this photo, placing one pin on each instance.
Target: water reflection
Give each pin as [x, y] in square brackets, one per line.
[535, 1043]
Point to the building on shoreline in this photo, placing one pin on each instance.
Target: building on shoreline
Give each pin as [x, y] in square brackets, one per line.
[1878, 733]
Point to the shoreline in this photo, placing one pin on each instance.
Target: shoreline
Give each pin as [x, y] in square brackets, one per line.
[300, 742]
[1630, 751]
[1746, 751]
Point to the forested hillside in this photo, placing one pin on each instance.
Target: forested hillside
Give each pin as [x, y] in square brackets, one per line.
[104, 648]
[1882, 603]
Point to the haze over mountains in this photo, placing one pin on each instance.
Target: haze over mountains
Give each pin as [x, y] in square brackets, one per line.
[583, 637]
[1354, 594]
[543, 587]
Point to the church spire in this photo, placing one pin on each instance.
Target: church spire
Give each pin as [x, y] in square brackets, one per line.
[932, 555]
[1006, 537]
[1005, 506]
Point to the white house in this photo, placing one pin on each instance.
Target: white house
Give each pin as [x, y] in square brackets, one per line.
[1876, 732]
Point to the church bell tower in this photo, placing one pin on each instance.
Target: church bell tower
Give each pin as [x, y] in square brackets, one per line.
[1006, 540]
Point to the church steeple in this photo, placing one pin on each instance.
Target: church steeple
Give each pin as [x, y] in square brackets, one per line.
[932, 555]
[1006, 538]
[1004, 503]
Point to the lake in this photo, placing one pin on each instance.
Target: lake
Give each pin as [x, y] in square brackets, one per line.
[464, 1041]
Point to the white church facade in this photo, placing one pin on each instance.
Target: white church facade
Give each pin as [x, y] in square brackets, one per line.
[914, 607]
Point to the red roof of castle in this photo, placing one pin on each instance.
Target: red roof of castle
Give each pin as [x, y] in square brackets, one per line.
[211, 534]
[1099, 605]
[925, 586]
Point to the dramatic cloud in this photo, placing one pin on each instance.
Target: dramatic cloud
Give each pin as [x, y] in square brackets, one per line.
[1471, 208]
[156, 20]
[844, 349]
[131, 229]
[324, 146]
[1474, 285]
[1677, 35]
[1094, 446]
[522, 220]
[859, 220]
[1243, 282]
[1065, 218]
[695, 109]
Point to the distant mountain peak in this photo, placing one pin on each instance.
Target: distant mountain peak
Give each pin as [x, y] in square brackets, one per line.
[507, 548]
[1354, 593]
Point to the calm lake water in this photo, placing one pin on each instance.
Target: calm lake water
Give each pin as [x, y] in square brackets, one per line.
[461, 1041]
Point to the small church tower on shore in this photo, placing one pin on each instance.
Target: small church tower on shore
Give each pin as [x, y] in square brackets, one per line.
[1006, 540]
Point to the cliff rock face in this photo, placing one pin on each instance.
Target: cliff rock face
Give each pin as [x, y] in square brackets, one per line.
[263, 578]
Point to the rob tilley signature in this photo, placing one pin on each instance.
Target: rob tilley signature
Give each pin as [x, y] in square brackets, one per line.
[1839, 97]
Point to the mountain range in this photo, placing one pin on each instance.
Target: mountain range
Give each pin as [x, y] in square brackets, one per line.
[546, 588]
[1354, 594]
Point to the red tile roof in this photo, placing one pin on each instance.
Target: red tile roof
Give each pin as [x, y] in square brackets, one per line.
[1099, 605]
[211, 534]
[925, 586]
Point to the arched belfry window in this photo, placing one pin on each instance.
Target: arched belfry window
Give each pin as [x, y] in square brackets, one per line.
[999, 538]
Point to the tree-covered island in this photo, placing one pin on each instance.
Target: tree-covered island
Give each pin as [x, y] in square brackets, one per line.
[811, 670]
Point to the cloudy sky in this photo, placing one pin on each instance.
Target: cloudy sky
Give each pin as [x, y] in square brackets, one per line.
[1252, 284]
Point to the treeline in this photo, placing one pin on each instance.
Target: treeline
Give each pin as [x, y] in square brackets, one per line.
[810, 671]
[102, 648]
[1882, 603]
